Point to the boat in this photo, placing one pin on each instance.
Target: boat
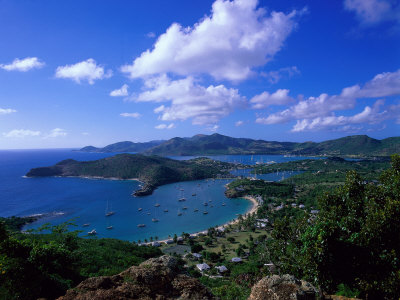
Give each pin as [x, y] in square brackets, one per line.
[181, 199]
[140, 209]
[154, 220]
[194, 194]
[212, 205]
[223, 204]
[92, 232]
[85, 225]
[108, 212]
[157, 205]
[141, 225]
[196, 210]
[165, 210]
[205, 203]
[148, 214]
[205, 212]
[109, 227]
[184, 208]
[209, 200]
[179, 213]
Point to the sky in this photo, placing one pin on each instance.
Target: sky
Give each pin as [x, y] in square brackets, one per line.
[76, 73]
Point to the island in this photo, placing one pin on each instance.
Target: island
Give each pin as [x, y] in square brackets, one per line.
[152, 171]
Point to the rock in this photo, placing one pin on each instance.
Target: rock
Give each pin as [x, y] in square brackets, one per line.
[156, 278]
[282, 288]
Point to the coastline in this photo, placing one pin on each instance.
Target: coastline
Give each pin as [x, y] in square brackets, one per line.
[252, 210]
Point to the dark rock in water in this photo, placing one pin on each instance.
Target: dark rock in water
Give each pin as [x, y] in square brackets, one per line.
[156, 278]
[282, 288]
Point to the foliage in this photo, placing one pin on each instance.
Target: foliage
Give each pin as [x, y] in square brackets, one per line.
[355, 240]
[46, 265]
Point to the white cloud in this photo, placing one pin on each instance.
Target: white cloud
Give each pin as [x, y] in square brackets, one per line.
[23, 65]
[265, 99]
[56, 132]
[213, 128]
[85, 70]
[21, 133]
[371, 12]
[165, 126]
[315, 109]
[228, 44]
[276, 76]
[85, 133]
[189, 100]
[6, 111]
[239, 123]
[131, 115]
[123, 91]
[151, 35]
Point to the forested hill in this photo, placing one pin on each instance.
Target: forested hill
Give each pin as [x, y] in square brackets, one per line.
[215, 144]
[152, 170]
[358, 145]
[123, 147]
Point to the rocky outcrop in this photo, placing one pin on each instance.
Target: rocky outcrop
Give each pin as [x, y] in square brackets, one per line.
[156, 278]
[284, 287]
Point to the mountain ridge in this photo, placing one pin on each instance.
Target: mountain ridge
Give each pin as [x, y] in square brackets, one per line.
[217, 144]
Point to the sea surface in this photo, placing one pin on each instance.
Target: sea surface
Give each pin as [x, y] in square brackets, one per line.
[86, 201]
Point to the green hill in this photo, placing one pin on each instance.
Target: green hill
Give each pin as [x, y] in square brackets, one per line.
[152, 170]
[123, 147]
[217, 144]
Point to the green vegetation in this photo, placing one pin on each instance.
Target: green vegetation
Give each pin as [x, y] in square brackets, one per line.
[152, 170]
[358, 146]
[15, 224]
[243, 187]
[123, 147]
[46, 265]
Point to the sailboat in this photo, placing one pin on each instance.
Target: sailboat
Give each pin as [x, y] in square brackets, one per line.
[108, 212]
[179, 213]
[109, 227]
[92, 232]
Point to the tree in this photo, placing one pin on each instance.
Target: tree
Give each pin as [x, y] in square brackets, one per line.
[355, 239]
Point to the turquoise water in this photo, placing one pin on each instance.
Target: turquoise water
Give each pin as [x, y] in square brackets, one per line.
[85, 200]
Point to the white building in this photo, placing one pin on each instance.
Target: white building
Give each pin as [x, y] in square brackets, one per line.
[236, 260]
[221, 269]
[203, 267]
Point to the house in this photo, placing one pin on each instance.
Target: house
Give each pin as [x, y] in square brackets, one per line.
[156, 244]
[169, 242]
[236, 260]
[315, 211]
[179, 239]
[294, 205]
[302, 206]
[197, 255]
[221, 269]
[203, 267]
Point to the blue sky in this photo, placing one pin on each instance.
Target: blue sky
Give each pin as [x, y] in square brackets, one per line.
[76, 73]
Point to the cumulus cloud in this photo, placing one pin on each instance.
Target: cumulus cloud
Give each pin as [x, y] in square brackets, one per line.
[370, 115]
[21, 133]
[87, 70]
[23, 65]
[134, 115]
[228, 44]
[275, 76]
[123, 91]
[316, 113]
[165, 126]
[265, 99]
[190, 100]
[239, 123]
[6, 111]
[56, 132]
[213, 128]
[371, 12]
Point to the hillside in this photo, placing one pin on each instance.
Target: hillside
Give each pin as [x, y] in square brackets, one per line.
[123, 147]
[217, 144]
[357, 145]
[152, 170]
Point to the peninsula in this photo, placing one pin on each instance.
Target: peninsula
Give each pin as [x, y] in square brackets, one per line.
[153, 171]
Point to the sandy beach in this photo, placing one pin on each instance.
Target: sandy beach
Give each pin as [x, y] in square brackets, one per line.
[252, 210]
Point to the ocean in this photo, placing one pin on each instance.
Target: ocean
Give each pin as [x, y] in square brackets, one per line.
[85, 201]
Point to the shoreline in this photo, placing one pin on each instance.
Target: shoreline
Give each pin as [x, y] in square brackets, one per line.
[251, 210]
